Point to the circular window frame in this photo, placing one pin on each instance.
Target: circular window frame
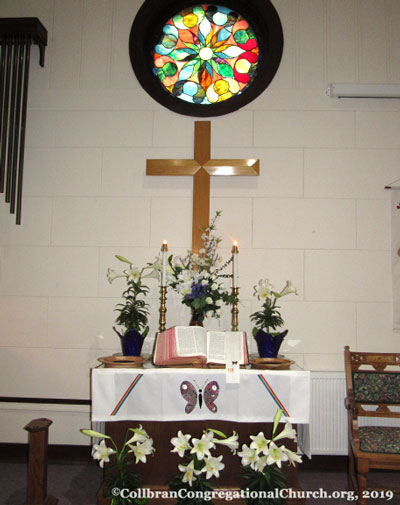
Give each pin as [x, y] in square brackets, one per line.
[146, 32]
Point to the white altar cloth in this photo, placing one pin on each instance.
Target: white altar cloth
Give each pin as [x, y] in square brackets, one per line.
[156, 395]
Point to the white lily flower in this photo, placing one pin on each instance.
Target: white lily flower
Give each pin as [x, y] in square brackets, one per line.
[140, 435]
[214, 286]
[248, 455]
[102, 453]
[202, 447]
[209, 300]
[204, 282]
[288, 289]
[153, 274]
[142, 450]
[263, 289]
[112, 275]
[259, 443]
[260, 463]
[231, 442]
[189, 472]
[180, 443]
[276, 455]
[133, 273]
[287, 432]
[292, 456]
[212, 466]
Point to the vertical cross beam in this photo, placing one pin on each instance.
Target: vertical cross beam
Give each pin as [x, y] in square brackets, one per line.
[201, 168]
[201, 183]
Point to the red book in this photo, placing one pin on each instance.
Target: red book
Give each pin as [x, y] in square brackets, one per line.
[195, 346]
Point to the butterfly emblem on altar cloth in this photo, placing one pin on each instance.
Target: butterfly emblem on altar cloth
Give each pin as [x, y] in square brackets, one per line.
[209, 392]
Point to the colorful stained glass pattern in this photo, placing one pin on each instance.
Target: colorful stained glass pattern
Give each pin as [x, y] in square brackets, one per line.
[207, 54]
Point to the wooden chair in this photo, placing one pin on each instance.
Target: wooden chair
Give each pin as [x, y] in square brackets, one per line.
[372, 390]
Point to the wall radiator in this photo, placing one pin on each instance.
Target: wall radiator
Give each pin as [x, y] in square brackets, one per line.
[328, 420]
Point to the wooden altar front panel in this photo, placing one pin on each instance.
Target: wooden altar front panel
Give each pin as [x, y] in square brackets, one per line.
[161, 467]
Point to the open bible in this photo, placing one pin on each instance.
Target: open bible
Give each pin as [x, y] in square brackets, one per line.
[195, 346]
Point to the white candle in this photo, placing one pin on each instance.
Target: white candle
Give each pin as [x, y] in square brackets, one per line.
[235, 252]
[164, 250]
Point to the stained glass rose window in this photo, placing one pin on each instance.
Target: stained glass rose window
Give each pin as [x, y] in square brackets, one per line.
[202, 59]
[207, 54]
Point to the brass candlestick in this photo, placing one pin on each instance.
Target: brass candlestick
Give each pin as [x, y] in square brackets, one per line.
[235, 309]
[163, 309]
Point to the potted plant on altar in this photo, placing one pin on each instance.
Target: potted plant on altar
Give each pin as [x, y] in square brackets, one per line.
[262, 461]
[198, 278]
[200, 465]
[134, 312]
[122, 477]
[269, 318]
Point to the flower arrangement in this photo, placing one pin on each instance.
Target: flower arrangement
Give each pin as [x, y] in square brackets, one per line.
[134, 312]
[262, 465]
[199, 279]
[269, 317]
[200, 464]
[139, 443]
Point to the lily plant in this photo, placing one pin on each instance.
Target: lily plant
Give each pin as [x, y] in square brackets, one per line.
[138, 443]
[269, 318]
[200, 465]
[262, 464]
[134, 312]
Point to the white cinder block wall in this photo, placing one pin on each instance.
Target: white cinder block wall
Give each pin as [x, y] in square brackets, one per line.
[317, 215]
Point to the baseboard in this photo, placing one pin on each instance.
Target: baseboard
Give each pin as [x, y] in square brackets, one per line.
[325, 463]
[57, 454]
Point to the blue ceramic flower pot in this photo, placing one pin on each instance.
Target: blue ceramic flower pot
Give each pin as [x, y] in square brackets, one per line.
[268, 344]
[132, 343]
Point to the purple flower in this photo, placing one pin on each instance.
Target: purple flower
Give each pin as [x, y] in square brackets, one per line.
[198, 291]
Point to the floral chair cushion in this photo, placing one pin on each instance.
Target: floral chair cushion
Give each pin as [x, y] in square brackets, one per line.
[371, 387]
[383, 439]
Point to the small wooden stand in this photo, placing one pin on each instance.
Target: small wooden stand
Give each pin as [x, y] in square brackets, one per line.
[37, 468]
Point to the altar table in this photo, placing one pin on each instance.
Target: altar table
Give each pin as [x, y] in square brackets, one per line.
[155, 395]
[125, 398]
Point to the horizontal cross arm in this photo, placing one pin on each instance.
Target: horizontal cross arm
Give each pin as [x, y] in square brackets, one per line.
[172, 167]
[233, 167]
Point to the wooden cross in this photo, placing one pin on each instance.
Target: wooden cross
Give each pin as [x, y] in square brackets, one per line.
[201, 168]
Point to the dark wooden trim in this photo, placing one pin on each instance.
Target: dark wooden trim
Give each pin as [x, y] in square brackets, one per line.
[57, 453]
[325, 463]
[54, 401]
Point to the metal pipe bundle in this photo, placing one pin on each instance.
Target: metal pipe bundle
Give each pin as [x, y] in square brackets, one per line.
[16, 37]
